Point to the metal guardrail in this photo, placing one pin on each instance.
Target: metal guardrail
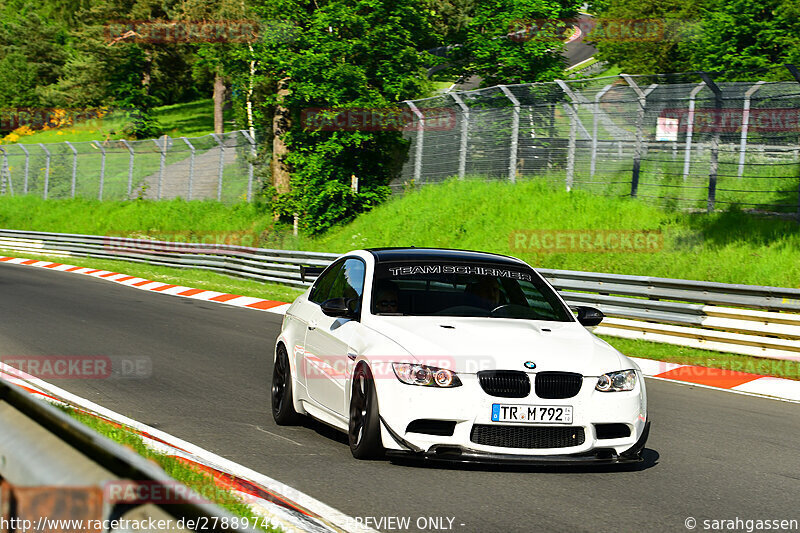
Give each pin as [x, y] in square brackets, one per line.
[53, 468]
[675, 310]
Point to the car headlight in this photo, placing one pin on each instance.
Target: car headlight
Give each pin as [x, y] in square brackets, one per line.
[426, 376]
[623, 380]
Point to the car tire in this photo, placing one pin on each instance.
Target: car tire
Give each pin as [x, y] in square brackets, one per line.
[282, 405]
[364, 430]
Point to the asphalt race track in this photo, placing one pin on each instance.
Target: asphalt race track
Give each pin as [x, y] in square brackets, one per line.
[711, 454]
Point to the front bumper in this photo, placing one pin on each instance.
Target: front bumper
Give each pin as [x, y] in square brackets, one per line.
[458, 454]
[468, 406]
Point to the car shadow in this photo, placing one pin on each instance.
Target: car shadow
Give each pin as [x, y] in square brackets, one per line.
[650, 459]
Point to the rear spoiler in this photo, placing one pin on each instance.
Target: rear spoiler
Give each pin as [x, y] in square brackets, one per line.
[312, 272]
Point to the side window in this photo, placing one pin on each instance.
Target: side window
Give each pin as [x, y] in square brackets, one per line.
[349, 281]
[322, 286]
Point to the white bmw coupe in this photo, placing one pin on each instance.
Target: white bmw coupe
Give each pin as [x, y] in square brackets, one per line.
[455, 355]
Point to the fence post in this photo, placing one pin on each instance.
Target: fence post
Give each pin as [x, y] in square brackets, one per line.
[796, 75]
[74, 165]
[191, 166]
[572, 110]
[46, 170]
[130, 167]
[512, 158]
[746, 123]
[102, 168]
[3, 172]
[687, 156]
[251, 139]
[637, 157]
[27, 166]
[597, 98]
[161, 142]
[462, 150]
[420, 139]
[714, 163]
[221, 143]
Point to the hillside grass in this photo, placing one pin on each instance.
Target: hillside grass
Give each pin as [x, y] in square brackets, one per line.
[728, 246]
[190, 119]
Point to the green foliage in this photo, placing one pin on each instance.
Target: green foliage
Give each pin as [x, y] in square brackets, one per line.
[343, 55]
[488, 52]
[733, 37]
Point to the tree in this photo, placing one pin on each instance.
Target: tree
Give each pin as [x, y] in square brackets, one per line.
[488, 51]
[732, 37]
[357, 54]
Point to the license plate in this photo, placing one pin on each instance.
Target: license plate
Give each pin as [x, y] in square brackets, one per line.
[532, 414]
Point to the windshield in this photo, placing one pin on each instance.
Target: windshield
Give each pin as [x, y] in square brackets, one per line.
[465, 290]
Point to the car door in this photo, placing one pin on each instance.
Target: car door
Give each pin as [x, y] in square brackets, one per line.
[305, 316]
[328, 356]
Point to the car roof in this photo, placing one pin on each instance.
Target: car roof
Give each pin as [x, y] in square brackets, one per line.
[387, 255]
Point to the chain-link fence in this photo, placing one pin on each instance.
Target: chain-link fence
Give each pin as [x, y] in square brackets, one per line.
[217, 167]
[681, 140]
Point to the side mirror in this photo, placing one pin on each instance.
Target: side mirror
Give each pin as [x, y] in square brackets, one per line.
[589, 316]
[338, 307]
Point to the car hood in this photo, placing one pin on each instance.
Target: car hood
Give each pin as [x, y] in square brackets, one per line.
[469, 345]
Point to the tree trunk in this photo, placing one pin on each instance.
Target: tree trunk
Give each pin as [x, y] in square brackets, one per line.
[280, 125]
[219, 101]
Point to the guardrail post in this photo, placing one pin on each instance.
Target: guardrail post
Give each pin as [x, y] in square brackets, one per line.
[27, 167]
[463, 146]
[687, 156]
[221, 144]
[130, 166]
[512, 157]
[46, 170]
[714, 163]
[637, 157]
[598, 96]
[746, 123]
[251, 139]
[161, 143]
[74, 166]
[191, 166]
[102, 169]
[420, 139]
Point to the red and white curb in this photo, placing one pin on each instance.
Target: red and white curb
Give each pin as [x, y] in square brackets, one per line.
[715, 378]
[157, 286]
[741, 382]
[280, 505]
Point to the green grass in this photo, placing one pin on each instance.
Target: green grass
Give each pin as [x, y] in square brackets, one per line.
[729, 246]
[190, 119]
[199, 481]
[194, 278]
